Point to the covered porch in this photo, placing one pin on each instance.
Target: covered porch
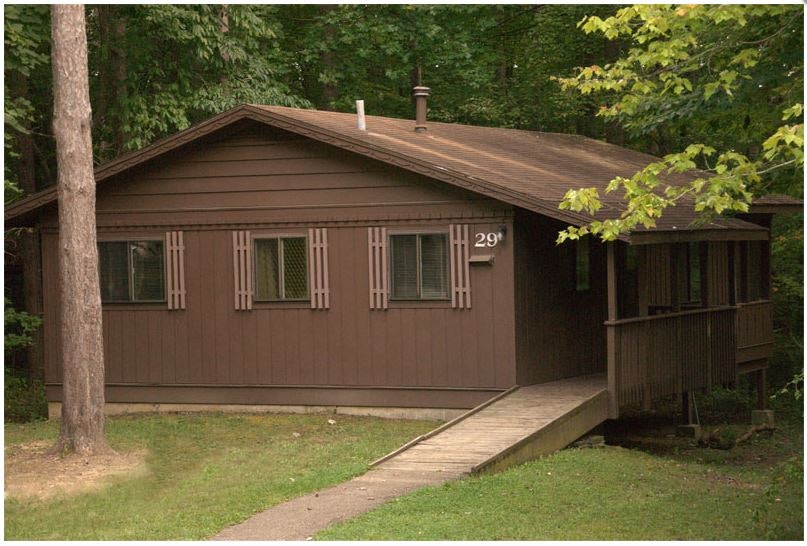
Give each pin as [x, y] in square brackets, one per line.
[684, 316]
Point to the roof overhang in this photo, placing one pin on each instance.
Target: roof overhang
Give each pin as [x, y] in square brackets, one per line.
[25, 211]
[683, 236]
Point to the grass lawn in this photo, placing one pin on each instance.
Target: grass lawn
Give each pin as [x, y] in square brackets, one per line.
[206, 472]
[668, 489]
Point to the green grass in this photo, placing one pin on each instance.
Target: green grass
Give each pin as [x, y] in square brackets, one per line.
[679, 491]
[206, 472]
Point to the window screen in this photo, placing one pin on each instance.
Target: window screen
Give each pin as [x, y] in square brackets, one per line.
[267, 269]
[403, 265]
[132, 271]
[281, 269]
[419, 266]
[113, 262]
[434, 266]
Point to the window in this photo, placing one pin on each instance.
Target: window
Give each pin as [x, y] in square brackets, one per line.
[281, 269]
[419, 266]
[132, 271]
[582, 265]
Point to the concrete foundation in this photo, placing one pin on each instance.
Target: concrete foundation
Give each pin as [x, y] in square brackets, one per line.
[689, 431]
[418, 414]
[762, 417]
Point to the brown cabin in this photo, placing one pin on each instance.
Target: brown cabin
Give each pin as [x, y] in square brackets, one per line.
[284, 257]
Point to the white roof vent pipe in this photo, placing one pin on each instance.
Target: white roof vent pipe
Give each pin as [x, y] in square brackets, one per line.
[361, 123]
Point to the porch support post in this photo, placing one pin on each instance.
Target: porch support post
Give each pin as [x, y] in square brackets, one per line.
[732, 259]
[677, 261]
[688, 408]
[611, 284]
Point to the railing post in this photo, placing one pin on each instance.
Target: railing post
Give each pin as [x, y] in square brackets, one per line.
[611, 284]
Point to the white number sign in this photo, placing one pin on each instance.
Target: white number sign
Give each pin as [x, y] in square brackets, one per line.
[486, 240]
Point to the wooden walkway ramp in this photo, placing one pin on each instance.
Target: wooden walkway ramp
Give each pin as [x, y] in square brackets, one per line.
[518, 425]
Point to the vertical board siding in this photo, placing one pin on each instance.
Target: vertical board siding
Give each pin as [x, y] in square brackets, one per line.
[558, 329]
[259, 182]
[668, 354]
[214, 343]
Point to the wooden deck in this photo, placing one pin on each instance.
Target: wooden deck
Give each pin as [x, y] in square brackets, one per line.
[521, 424]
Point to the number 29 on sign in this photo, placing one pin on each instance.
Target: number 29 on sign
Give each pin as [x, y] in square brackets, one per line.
[486, 240]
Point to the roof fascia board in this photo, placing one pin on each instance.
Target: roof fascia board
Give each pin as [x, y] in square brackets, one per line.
[684, 236]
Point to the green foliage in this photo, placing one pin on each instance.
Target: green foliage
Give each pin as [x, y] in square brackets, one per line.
[183, 64]
[23, 398]
[19, 326]
[723, 405]
[689, 69]
[787, 256]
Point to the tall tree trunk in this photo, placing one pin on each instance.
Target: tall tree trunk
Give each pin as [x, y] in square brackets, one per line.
[82, 428]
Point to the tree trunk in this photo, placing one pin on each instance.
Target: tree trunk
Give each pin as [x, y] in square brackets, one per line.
[82, 427]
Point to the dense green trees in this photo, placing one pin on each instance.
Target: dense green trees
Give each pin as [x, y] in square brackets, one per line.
[155, 70]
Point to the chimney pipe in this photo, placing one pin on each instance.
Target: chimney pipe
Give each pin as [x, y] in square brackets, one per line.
[421, 94]
[361, 124]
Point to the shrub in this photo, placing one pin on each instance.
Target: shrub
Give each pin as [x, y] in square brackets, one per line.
[24, 398]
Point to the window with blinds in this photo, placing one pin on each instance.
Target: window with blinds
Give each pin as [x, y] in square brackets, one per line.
[132, 271]
[419, 266]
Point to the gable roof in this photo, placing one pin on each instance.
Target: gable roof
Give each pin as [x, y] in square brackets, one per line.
[527, 169]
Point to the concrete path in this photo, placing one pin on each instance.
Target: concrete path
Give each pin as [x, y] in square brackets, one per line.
[301, 518]
[511, 428]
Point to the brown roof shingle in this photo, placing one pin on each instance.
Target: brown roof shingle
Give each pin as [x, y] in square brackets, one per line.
[529, 169]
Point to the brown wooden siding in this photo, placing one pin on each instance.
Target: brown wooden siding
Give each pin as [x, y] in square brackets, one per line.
[717, 276]
[254, 183]
[671, 353]
[559, 330]
[754, 331]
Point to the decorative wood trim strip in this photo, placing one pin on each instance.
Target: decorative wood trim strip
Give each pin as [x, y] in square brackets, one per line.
[318, 268]
[326, 289]
[370, 252]
[181, 260]
[169, 268]
[459, 266]
[377, 267]
[236, 287]
[452, 241]
[311, 277]
[175, 270]
[465, 264]
[242, 270]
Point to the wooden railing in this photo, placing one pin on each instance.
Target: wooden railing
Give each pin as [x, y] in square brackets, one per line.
[754, 331]
[660, 355]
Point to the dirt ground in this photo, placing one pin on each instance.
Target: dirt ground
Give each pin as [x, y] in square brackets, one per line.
[31, 471]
